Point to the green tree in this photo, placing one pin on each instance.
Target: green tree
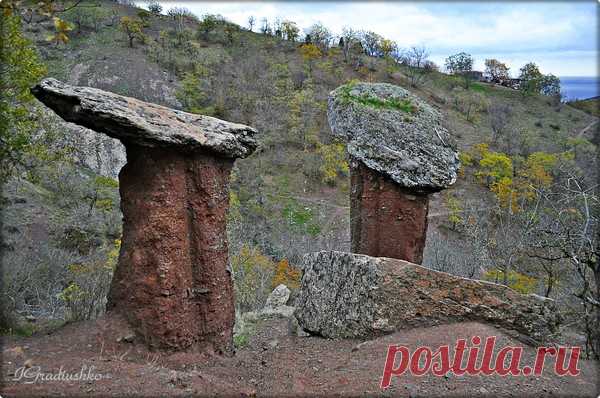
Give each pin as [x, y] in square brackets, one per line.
[132, 29]
[460, 64]
[550, 86]
[20, 70]
[531, 78]
[192, 92]
[155, 8]
[496, 71]
[290, 30]
[208, 24]
[90, 17]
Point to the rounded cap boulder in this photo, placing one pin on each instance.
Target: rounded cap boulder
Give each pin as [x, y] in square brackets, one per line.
[395, 133]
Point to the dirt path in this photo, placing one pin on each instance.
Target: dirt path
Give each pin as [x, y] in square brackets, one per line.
[272, 364]
[586, 128]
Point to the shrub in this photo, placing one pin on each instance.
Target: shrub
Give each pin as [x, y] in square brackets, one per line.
[517, 281]
[252, 276]
[286, 274]
[89, 283]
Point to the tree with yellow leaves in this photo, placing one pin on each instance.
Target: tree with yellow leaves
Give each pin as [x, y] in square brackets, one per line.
[61, 30]
[494, 166]
[310, 53]
[286, 274]
[334, 161]
[132, 29]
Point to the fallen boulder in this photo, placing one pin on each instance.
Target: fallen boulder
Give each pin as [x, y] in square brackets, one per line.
[345, 295]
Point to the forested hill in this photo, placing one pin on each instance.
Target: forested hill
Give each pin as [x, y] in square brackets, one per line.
[291, 196]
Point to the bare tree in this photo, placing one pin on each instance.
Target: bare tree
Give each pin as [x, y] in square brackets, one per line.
[500, 117]
[348, 40]
[251, 22]
[416, 60]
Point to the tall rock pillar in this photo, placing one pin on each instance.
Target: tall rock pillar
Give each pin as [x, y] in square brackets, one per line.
[171, 283]
[400, 153]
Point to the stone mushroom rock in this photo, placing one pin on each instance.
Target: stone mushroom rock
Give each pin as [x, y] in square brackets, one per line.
[171, 282]
[345, 295]
[400, 152]
[395, 133]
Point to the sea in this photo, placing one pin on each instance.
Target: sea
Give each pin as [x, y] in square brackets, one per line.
[579, 87]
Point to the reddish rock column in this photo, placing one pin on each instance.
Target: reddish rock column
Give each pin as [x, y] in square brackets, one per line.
[172, 282]
[386, 220]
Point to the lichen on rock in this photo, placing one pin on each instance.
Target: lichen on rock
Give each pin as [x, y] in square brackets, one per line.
[395, 133]
[346, 295]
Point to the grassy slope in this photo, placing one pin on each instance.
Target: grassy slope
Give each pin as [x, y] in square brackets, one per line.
[590, 105]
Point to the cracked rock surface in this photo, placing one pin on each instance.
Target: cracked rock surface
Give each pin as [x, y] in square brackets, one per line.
[395, 133]
[141, 123]
[345, 295]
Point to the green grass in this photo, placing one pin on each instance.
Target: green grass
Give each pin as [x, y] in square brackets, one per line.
[404, 105]
[479, 88]
[241, 340]
[591, 106]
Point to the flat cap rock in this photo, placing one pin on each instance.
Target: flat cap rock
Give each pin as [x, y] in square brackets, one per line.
[395, 133]
[141, 123]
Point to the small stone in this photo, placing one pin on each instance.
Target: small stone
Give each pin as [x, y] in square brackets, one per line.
[359, 346]
[295, 329]
[126, 339]
[278, 297]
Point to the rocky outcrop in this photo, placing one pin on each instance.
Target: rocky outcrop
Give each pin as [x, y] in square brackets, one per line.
[275, 306]
[171, 281]
[400, 152]
[346, 295]
[278, 297]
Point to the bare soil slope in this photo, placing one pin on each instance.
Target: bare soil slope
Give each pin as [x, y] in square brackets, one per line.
[273, 363]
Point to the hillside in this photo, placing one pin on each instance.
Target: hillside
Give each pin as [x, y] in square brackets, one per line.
[290, 197]
[590, 105]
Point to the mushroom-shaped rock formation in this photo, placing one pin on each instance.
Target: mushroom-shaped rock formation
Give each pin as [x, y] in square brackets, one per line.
[400, 153]
[172, 282]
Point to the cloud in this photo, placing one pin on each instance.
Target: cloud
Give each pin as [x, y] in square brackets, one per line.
[513, 30]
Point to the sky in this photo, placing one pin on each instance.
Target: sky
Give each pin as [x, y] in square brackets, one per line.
[560, 37]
